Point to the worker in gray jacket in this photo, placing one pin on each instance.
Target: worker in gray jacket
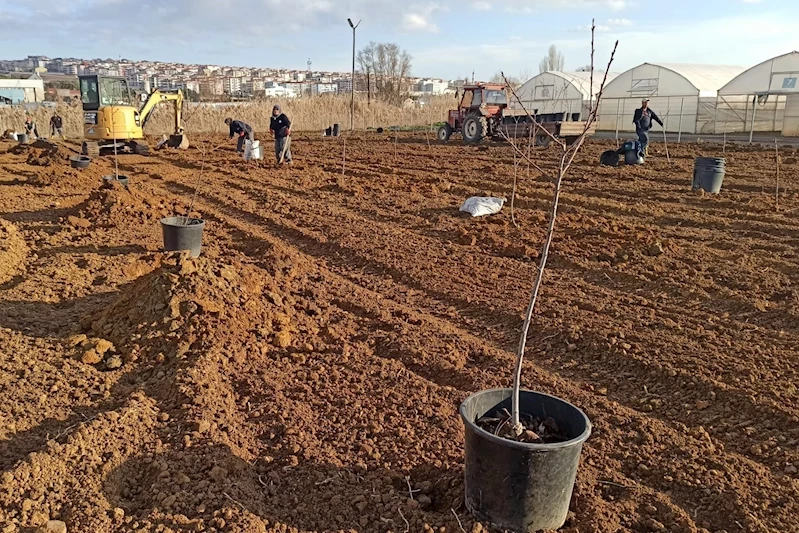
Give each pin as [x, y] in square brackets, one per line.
[643, 123]
[244, 132]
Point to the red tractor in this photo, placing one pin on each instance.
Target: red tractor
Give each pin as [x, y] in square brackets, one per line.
[483, 112]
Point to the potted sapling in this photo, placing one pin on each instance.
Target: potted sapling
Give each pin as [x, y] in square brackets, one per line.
[522, 448]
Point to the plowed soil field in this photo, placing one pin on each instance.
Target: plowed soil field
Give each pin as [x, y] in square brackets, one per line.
[304, 373]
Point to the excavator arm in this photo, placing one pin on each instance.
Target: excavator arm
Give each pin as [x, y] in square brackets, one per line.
[178, 139]
[156, 97]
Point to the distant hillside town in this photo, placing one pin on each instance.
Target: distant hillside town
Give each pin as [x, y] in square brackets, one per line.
[206, 82]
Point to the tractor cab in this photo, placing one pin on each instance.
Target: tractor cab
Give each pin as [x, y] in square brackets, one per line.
[480, 104]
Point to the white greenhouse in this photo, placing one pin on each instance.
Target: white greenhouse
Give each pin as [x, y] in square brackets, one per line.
[683, 96]
[763, 98]
[567, 95]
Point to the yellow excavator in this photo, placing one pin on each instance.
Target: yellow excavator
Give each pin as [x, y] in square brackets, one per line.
[111, 118]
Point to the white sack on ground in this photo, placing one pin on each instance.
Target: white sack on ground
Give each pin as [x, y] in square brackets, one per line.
[479, 206]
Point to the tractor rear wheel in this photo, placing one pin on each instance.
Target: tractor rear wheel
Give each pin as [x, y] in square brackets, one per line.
[474, 128]
[444, 133]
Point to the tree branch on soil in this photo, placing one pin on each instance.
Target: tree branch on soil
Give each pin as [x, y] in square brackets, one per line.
[568, 153]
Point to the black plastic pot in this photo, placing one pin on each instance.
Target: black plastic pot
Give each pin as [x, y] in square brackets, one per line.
[335, 130]
[709, 173]
[79, 161]
[517, 486]
[609, 158]
[183, 233]
[110, 179]
[22, 137]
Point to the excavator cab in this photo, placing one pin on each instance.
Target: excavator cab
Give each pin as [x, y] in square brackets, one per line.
[112, 120]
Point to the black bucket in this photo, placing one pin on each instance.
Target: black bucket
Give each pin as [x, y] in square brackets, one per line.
[521, 487]
[329, 132]
[335, 130]
[22, 138]
[110, 179]
[609, 158]
[709, 174]
[79, 161]
[183, 233]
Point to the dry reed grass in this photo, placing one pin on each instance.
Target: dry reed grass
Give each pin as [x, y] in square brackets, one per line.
[306, 114]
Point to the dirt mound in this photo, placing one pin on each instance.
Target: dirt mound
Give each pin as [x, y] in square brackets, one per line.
[164, 313]
[12, 251]
[42, 153]
[116, 205]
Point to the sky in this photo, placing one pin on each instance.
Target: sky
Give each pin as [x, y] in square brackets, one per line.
[447, 38]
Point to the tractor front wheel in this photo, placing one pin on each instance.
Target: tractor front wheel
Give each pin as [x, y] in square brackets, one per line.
[474, 129]
[445, 132]
[542, 140]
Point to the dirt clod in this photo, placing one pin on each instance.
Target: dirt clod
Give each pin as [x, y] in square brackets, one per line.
[53, 526]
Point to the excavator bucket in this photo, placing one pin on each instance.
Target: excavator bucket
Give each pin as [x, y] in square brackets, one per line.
[178, 141]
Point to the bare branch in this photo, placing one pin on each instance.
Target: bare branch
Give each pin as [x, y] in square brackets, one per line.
[591, 83]
[531, 117]
[566, 159]
[518, 151]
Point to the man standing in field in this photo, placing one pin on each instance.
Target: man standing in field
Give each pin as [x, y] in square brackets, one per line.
[280, 125]
[56, 125]
[643, 123]
[244, 131]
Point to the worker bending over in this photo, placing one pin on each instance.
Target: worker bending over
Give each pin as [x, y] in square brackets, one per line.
[30, 127]
[643, 123]
[280, 125]
[244, 132]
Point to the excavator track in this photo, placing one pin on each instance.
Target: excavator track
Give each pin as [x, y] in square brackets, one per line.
[139, 148]
[90, 148]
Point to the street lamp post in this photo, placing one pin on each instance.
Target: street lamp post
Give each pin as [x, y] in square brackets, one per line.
[352, 80]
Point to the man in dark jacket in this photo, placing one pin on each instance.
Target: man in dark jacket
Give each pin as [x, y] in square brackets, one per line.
[643, 123]
[281, 129]
[56, 125]
[244, 131]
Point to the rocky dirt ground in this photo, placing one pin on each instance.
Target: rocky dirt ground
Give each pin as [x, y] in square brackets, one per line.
[305, 372]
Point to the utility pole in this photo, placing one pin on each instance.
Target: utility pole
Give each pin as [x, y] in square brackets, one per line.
[352, 87]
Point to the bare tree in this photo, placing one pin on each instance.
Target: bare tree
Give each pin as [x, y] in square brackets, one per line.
[513, 80]
[566, 155]
[390, 65]
[553, 60]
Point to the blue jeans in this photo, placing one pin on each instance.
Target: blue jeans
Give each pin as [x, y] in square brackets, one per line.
[643, 138]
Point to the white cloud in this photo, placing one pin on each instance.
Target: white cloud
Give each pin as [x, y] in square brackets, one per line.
[418, 22]
[620, 22]
[529, 6]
